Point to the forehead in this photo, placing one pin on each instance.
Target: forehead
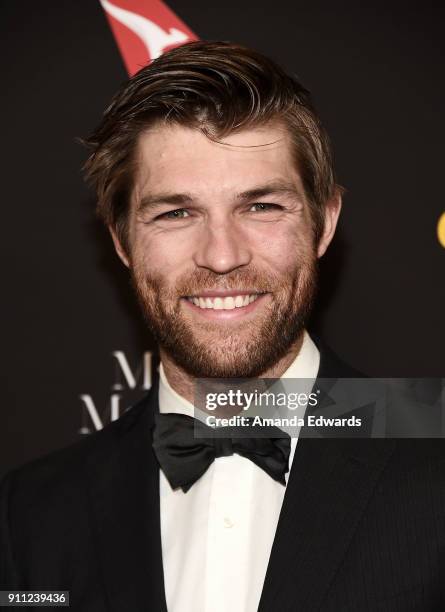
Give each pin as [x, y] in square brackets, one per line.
[173, 156]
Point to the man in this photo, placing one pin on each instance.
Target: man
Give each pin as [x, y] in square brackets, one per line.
[215, 178]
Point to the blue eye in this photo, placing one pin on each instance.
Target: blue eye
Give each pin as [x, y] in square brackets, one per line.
[264, 206]
[179, 213]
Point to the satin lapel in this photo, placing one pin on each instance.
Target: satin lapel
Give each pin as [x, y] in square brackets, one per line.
[330, 484]
[124, 490]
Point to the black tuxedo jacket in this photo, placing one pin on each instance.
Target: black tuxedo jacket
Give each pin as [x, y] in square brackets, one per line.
[362, 525]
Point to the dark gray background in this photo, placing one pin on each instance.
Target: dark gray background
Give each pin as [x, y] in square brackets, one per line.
[376, 73]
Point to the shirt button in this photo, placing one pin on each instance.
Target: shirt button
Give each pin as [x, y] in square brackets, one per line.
[228, 523]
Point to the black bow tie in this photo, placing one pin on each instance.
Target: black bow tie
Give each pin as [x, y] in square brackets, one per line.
[184, 458]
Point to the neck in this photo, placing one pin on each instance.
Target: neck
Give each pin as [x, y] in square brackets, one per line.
[183, 383]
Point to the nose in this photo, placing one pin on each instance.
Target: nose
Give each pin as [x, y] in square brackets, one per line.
[222, 247]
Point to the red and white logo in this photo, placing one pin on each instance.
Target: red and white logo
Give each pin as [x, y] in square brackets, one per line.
[144, 29]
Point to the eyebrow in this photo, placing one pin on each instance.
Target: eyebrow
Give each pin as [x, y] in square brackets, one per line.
[272, 188]
[181, 199]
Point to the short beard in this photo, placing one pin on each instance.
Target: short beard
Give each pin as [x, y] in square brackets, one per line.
[228, 355]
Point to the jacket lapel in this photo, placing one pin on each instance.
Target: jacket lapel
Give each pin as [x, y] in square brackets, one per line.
[123, 480]
[330, 484]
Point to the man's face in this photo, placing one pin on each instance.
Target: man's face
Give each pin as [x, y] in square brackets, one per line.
[221, 248]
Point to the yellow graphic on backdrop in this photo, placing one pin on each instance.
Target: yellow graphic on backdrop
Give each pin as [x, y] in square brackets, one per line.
[441, 229]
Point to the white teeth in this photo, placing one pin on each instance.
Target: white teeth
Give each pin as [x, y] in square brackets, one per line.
[227, 303]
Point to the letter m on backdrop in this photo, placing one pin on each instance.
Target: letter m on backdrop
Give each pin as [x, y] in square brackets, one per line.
[144, 29]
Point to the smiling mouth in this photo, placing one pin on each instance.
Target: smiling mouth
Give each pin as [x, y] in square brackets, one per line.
[223, 302]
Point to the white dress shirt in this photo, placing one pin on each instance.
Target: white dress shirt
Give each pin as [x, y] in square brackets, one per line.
[217, 537]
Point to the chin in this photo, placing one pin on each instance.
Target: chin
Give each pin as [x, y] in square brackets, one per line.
[222, 370]
[202, 363]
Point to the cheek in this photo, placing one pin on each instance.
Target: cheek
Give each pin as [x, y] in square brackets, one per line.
[160, 254]
[283, 247]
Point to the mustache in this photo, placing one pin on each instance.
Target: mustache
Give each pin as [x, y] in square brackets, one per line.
[205, 280]
[201, 280]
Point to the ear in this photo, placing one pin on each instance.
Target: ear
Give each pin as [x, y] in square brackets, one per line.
[332, 212]
[119, 248]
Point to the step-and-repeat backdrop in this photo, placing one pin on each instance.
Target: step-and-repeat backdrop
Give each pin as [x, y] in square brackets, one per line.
[75, 351]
